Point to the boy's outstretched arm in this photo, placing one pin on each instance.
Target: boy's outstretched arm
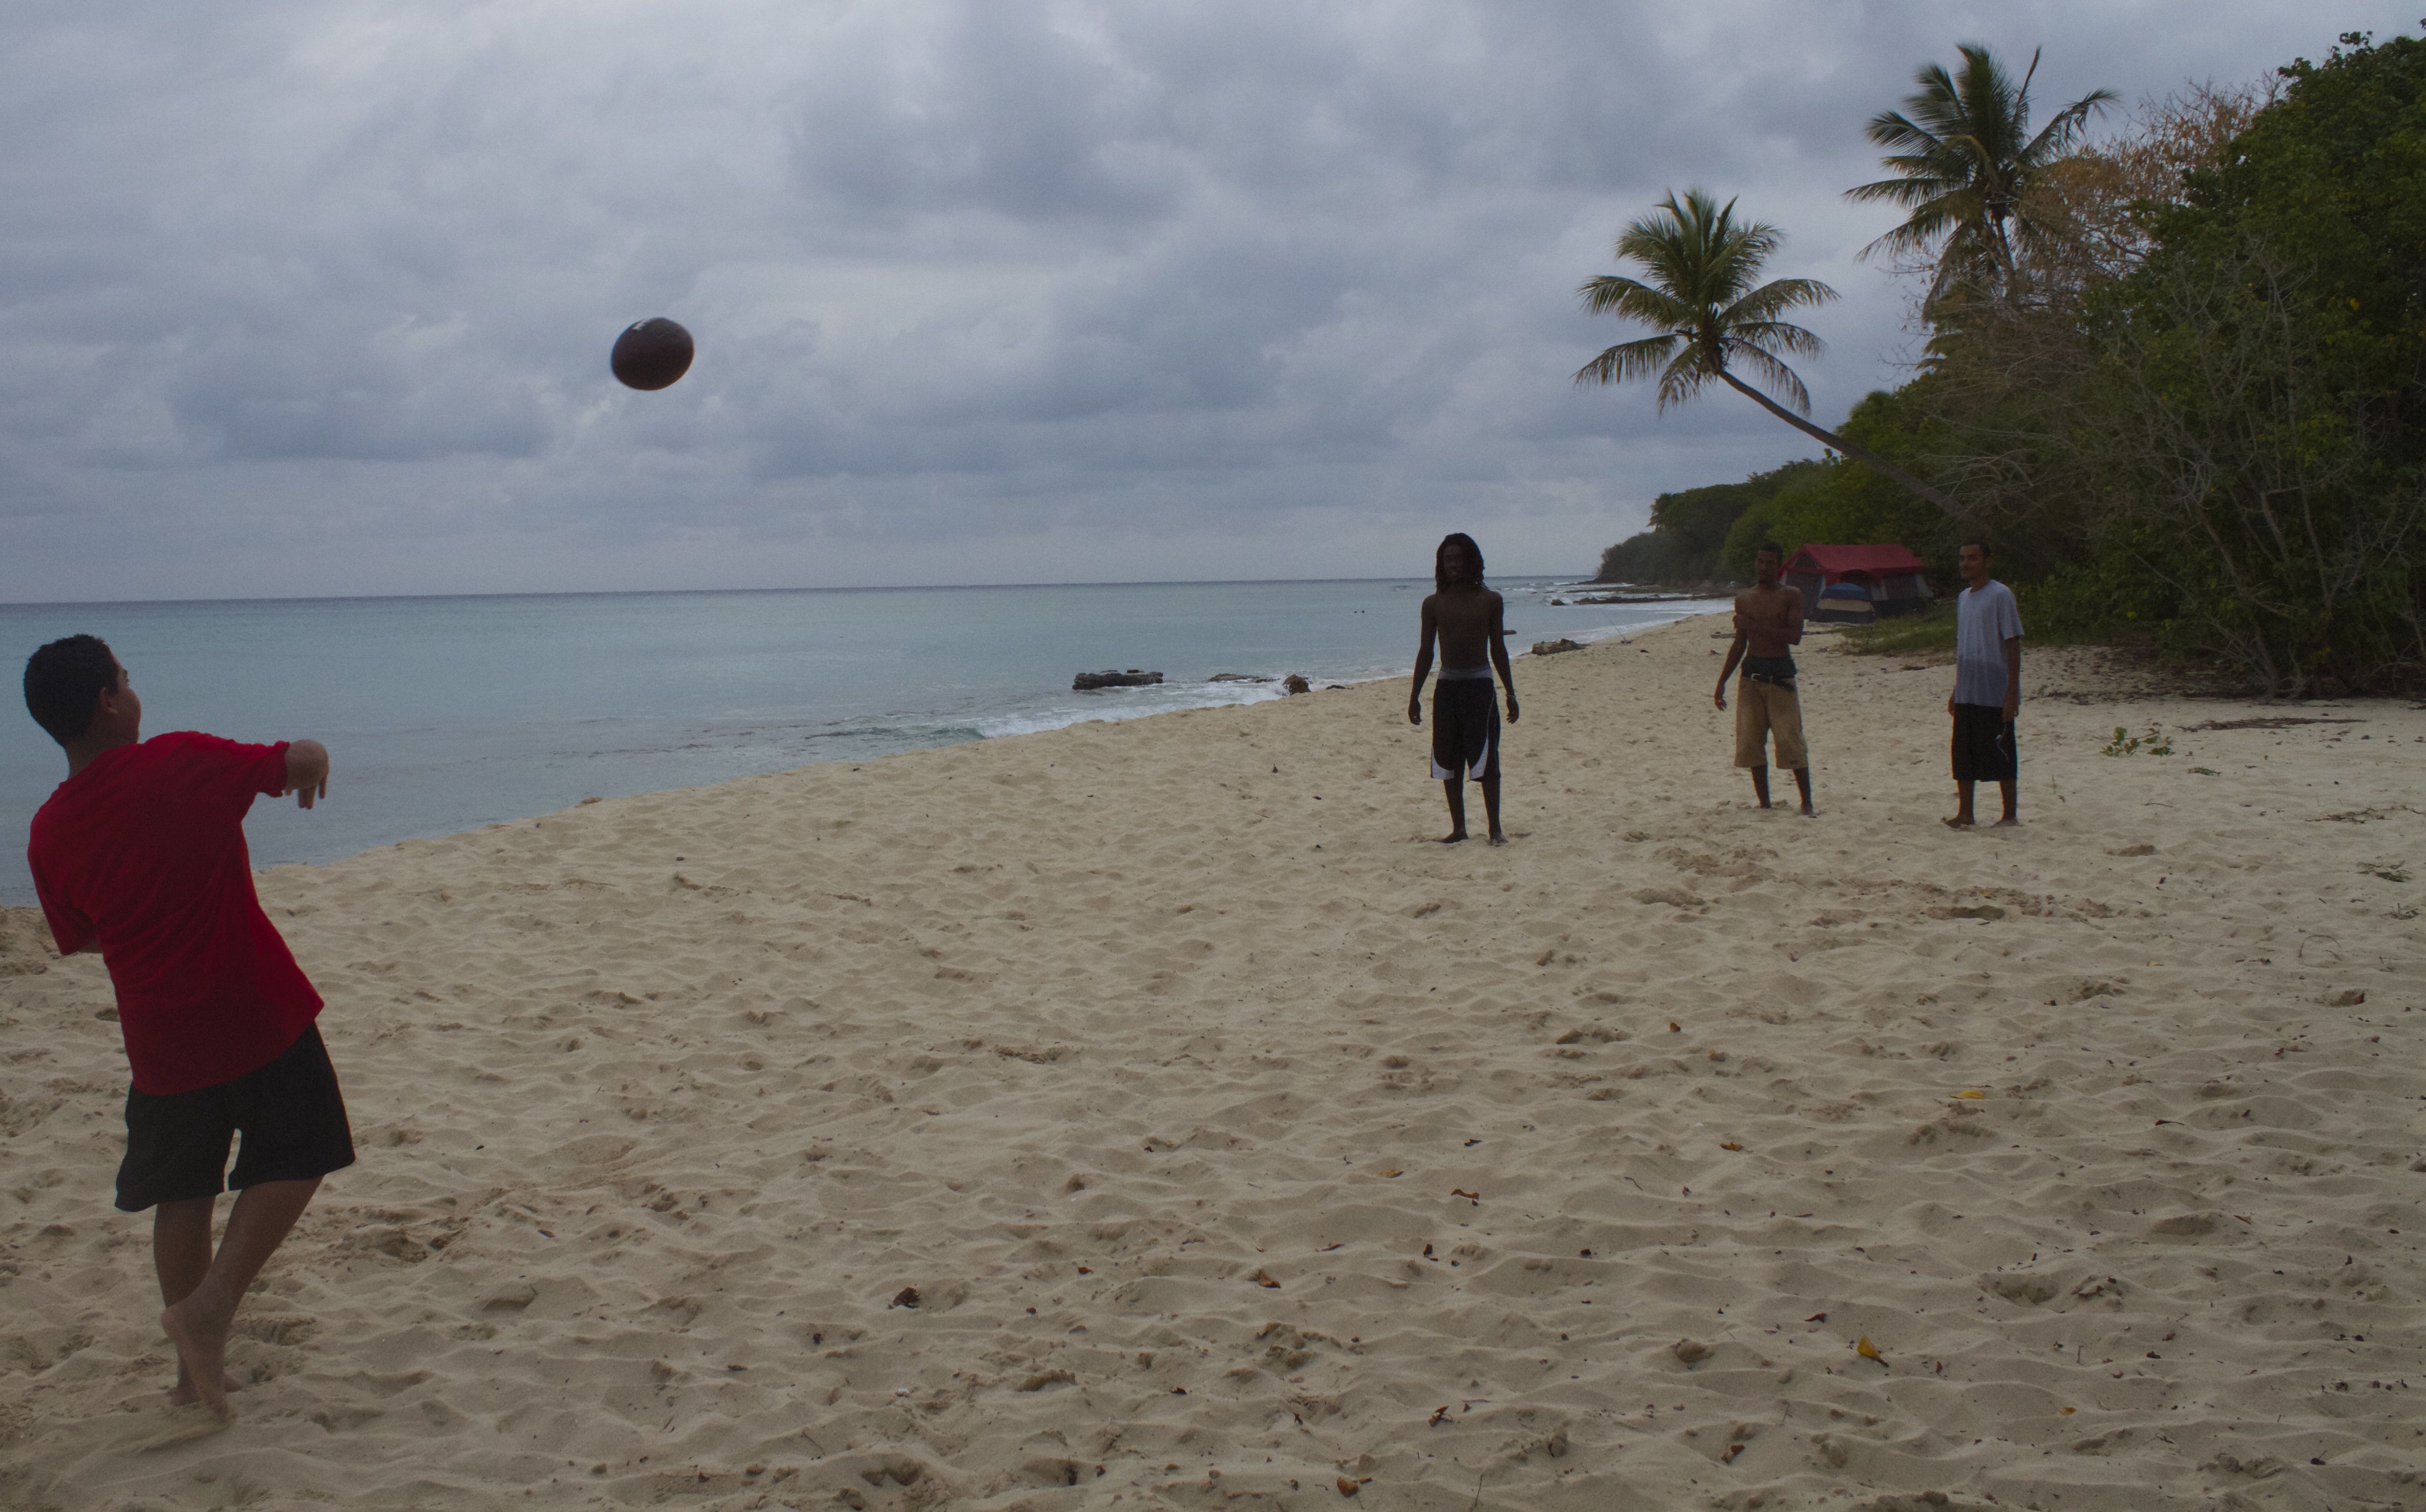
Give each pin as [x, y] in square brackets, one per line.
[1423, 669]
[307, 771]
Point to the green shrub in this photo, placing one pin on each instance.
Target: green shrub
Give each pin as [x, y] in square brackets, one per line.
[1908, 634]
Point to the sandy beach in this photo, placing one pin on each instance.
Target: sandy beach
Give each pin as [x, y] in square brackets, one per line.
[1147, 1115]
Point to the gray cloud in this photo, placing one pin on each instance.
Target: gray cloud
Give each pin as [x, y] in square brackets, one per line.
[305, 298]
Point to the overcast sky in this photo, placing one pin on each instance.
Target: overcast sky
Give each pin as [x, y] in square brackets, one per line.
[315, 297]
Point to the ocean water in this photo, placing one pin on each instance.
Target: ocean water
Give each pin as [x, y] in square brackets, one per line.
[442, 714]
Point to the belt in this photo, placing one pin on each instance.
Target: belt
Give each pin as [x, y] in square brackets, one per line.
[1778, 672]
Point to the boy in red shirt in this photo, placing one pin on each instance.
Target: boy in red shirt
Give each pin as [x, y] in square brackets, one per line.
[141, 854]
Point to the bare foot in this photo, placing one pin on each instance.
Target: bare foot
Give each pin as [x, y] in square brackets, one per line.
[1500, 840]
[1452, 838]
[200, 1331]
[1810, 813]
[184, 1394]
[2008, 822]
[1961, 820]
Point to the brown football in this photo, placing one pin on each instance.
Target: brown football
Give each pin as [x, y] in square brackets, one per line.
[651, 354]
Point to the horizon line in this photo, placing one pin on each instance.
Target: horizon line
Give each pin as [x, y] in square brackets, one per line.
[627, 593]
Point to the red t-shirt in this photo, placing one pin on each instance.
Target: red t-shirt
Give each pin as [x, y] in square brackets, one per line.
[144, 850]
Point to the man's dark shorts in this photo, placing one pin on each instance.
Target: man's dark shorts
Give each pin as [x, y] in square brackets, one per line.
[1983, 744]
[290, 1113]
[1465, 729]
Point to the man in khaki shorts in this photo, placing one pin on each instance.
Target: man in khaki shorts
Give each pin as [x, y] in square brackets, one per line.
[1768, 623]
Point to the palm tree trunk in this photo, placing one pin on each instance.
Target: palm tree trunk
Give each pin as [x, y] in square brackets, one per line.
[1868, 459]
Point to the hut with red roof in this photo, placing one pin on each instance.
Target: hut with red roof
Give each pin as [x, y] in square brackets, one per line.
[1855, 584]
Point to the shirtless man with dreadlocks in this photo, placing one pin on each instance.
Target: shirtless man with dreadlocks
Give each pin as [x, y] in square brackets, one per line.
[1470, 624]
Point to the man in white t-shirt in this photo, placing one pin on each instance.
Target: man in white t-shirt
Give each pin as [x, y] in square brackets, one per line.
[1987, 687]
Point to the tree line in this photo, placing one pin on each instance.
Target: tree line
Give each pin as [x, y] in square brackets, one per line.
[2174, 376]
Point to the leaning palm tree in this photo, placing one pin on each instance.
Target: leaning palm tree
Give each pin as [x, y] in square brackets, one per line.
[1965, 162]
[1700, 294]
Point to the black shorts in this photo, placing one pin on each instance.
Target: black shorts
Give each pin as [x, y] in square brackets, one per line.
[1465, 729]
[1983, 744]
[293, 1118]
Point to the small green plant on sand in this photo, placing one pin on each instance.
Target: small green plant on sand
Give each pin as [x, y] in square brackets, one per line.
[2156, 743]
[2207, 771]
[2395, 873]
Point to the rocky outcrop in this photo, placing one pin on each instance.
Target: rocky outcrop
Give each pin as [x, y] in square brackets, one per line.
[1552, 648]
[1296, 683]
[1088, 681]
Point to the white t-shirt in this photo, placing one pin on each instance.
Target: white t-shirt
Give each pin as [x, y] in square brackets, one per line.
[1984, 619]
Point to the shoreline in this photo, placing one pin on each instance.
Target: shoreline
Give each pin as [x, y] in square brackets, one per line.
[652, 696]
[1232, 1134]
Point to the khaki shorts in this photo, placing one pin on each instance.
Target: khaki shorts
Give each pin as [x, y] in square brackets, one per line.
[1765, 709]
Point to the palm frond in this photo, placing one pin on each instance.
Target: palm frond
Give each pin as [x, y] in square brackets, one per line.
[1630, 360]
[1615, 295]
[1921, 182]
[1757, 242]
[2065, 127]
[1994, 106]
[1685, 244]
[1772, 374]
[1684, 377]
[1766, 302]
[1894, 129]
[1935, 103]
[1947, 215]
[1775, 336]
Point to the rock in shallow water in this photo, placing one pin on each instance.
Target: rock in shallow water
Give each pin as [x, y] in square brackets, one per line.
[1088, 681]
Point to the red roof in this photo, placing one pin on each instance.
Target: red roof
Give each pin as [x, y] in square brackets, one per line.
[1836, 561]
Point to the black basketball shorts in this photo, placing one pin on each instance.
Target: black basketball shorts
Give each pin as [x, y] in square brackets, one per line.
[290, 1113]
[1465, 729]
[1983, 744]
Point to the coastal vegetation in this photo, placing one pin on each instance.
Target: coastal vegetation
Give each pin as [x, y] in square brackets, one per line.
[1968, 166]
[1701, 292]
[1924, 632]
[2174, 375]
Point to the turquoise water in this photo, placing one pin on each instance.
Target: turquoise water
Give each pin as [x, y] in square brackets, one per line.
[445, 714]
